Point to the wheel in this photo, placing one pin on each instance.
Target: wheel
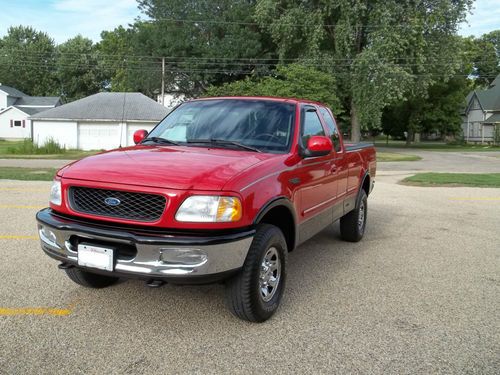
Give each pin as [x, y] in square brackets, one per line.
[352, 225]
[254, 294]
[89, 279]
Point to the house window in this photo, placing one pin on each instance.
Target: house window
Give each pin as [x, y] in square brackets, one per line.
[18, 123]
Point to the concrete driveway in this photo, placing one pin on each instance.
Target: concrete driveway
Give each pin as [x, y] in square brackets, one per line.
[34, 163]
[474, 162]
[419, 295]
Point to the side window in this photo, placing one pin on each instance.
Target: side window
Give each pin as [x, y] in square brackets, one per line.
[311, 125]
[330, 122]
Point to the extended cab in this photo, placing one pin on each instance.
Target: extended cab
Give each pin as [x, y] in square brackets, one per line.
[220, 190]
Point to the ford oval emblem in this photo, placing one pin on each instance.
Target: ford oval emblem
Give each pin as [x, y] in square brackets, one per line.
[110, 201]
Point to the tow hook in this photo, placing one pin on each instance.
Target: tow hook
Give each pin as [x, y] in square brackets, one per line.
[65, 266]
[155, 283]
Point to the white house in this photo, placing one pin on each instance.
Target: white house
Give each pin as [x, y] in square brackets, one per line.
[481, 120]
[98, 122]
[15, 109]
[171, 100]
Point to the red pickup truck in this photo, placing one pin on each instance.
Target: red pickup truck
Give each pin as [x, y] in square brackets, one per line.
[220, 190]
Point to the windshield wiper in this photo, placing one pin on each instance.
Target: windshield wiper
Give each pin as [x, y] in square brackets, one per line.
[222, 142]
[161, 140]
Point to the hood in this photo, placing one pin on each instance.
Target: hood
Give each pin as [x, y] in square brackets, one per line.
[196, 168]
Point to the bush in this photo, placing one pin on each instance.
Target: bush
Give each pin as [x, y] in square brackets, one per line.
[51, 146]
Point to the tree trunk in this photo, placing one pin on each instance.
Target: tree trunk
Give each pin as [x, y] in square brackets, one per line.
[355, 126]
[409, 137]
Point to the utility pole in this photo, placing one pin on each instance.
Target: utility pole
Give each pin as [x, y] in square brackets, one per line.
[162, 81]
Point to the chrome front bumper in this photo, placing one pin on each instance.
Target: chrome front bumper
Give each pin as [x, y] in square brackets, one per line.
[152, 255]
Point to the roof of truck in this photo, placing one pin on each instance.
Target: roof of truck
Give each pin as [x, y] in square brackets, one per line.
[273, 98]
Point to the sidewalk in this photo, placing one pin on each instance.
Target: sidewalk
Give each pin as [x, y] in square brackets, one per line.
[34, 163]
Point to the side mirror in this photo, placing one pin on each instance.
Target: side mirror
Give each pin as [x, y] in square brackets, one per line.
[139, 135]
[318, 145]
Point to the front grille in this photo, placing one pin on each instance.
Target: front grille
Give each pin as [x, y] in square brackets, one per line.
[131, 206]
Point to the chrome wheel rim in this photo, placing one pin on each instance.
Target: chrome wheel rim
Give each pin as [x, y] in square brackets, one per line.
[270, 274]
[361, 216]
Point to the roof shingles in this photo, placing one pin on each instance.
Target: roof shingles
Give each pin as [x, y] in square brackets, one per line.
[108, 106]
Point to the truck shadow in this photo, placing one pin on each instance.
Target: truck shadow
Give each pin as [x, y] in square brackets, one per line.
[319, 260]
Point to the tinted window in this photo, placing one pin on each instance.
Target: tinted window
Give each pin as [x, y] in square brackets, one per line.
[330, 122]
[311, 126]
[263, 124]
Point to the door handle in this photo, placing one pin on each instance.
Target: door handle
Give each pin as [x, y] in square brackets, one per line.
[333, 169]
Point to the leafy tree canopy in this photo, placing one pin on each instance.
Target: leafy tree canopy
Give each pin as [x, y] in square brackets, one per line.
[292, 81]
[77, 68]
[380, 51]
[27, 60]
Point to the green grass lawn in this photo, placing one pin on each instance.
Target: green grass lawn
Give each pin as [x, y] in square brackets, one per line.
[27, 174]
[66, 154]
[454, 179]
[437, 146]
[393, 156]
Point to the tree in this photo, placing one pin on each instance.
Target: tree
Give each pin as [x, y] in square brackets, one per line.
[438, 112]
[204, 41]
[381, 52]
[77, 68]
[129, 61]
[27, 61]
[294, 81]
[484, 56]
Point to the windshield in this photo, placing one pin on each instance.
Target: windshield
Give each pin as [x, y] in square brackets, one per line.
[264, 125]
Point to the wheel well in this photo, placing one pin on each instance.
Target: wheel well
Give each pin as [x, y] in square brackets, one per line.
[281, 217]
[366, 185]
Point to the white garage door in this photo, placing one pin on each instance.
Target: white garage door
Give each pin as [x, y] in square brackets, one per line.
[132, 128]
[98, 136]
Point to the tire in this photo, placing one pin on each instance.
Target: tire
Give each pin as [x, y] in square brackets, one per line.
[246, 292]
[89, 279]
[353, 224]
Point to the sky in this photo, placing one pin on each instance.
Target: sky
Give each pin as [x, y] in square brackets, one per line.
[64, 19]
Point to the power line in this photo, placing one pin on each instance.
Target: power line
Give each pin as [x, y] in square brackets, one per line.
[202, 58]
[290, 24]
[242, 72]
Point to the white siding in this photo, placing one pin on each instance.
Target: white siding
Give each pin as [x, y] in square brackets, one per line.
[3, 100]
[476, 115]
[64, 132]
[488, 132]
[15, 132]
[88, 135]
[133, 127]
[99, 136]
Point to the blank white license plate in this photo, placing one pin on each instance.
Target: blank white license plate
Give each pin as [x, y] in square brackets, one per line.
[95, 257]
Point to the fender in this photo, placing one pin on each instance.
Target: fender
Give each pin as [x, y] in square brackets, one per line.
[277, 202]
[365, 176]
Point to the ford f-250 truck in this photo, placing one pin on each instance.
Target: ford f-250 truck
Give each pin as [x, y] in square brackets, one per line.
[220, 190]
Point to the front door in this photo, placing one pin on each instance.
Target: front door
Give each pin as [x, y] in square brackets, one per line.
[317, 188]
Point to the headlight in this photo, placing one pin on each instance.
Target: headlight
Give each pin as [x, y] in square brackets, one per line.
[210, 209]
[55, 193]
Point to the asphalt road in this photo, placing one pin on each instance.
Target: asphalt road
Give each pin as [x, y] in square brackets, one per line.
[419, 295]
[444, 161]
[437, 161]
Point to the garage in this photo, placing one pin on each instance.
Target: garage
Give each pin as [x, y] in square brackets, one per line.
[98, 122]
[98, 136]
